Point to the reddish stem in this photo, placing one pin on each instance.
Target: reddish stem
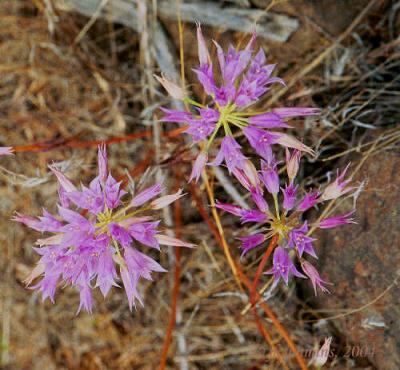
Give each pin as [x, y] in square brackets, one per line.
[246, 281]
[275, 321]
[177, 283]
[260, 268]
[74, 143]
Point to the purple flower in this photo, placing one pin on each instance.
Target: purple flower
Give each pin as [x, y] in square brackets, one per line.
[205, 76]
[91, 198]
[248, 92]
[260, 140]
[119, 234]
[209, 115]
[331, 222]
[252, 215]
[230, 153]
[172, 115]
[244, 77]
[289, 196]
[6, 150]
[145, 233]
[246, 215]
[314, 276]
[231, 208]
[286, 222]
[268, 120]
[93, 248]
[308, 201]
[248, 176]
[137, 265]
[259, 200]
[269, 175]
[251, 241]
[283, 266]
[298, 239]
[200, 129]
[146, 195]
[86, 299]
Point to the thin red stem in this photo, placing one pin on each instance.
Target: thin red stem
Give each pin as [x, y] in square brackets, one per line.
[176, 287]
[246, 281]
[260, 268]
[74, 143]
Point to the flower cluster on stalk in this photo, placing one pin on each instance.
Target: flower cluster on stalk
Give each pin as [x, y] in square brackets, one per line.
[243, 78]
[280, 211]
[96, 237]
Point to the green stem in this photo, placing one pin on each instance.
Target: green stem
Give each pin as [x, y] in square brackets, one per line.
[227, 129]
[276, 206]
[212, 137]
[236, 123]
[251, 113]
[193, 102]
[239, 118]
[117, 249]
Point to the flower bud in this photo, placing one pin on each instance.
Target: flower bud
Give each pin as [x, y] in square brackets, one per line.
[62, 179]
[204, 56]
[292, 163]
[168, 240]
[146, 195]
[292, 142]
[198, 166]
[173, 89]
[166, 200]
[323, 354]
[103, 162]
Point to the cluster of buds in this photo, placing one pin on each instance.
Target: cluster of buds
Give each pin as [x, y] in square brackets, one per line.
[285, 220]
[99, 245]
[245, 78]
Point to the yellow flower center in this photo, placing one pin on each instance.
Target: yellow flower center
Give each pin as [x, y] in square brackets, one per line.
[279, 227]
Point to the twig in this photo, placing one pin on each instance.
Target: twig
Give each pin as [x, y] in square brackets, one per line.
[89, 24]
[74, 143]
[317, 61]
[221, 230]
[260, 268]
[271, 26]
[175, 290]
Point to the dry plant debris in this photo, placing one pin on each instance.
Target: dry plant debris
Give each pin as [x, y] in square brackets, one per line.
[71, 77]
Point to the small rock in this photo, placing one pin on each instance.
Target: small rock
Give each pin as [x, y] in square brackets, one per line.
[362, 261]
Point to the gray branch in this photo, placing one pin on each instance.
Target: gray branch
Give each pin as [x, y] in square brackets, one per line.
[270, 26]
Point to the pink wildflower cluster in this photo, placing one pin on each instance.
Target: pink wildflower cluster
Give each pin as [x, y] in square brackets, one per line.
[97, 237]
[244, 79]
[285, 219]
